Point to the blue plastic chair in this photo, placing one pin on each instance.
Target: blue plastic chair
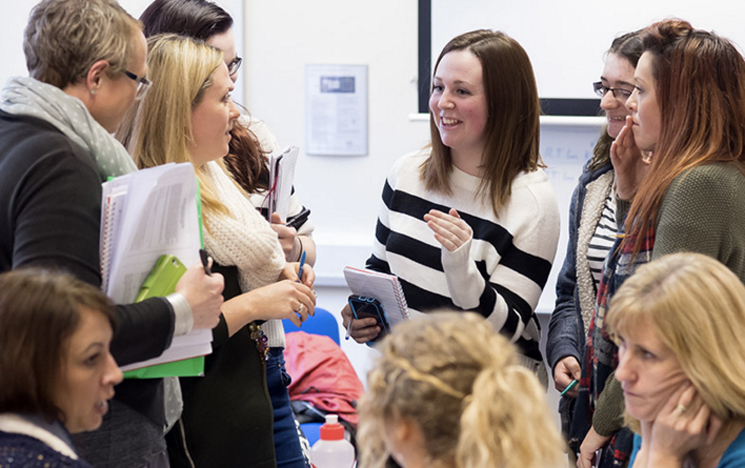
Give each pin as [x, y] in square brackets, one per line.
[322, 323]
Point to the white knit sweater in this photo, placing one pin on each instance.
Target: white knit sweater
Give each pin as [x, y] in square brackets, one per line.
[246, 240]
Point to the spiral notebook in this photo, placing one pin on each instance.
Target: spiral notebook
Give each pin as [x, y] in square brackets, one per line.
[383, 287]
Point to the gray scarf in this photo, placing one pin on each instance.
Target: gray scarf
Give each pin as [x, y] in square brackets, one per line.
[27, 96]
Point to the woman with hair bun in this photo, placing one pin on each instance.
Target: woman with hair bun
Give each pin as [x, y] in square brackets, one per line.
[447, 391]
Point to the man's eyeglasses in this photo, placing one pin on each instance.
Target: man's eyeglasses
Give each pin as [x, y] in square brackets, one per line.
[143, 84]
[234, 65]
[618, 93]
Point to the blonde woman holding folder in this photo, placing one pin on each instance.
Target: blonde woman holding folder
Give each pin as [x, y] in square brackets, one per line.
[471, 222]
[188, 117]
[247, 161]
[252, 140]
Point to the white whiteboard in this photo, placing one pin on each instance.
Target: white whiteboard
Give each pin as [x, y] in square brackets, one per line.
[566, 39]
[565, 149]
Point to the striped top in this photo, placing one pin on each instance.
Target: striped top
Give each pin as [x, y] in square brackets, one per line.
[500, 273]
[603, 239]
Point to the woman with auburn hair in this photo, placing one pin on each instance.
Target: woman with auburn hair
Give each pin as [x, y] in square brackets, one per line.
[58, 373]
[187, 117]
[693, 196]
[471, 222]
[680, 325]
[448, 391]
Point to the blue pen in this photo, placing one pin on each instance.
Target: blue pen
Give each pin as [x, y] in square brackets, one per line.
[302, 263]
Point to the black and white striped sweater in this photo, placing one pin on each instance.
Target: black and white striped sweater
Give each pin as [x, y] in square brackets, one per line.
[500, 273]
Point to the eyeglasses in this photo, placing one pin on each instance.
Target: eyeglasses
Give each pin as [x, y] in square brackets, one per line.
[234, 65]
[143, 84]
[618, 93]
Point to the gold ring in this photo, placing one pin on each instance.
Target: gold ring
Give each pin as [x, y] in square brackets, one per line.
[681, 409]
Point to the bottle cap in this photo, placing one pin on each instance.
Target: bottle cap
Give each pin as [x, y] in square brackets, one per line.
[332, 430]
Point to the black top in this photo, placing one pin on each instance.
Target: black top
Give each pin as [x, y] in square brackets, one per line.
[50, 215]
[227, 418]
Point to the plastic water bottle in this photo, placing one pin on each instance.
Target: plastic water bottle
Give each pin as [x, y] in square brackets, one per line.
[332, 450]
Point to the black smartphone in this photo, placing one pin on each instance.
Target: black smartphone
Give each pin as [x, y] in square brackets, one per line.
[369, 307]
[298, 220]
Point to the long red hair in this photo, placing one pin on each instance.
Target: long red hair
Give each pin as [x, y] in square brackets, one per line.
[700, 88]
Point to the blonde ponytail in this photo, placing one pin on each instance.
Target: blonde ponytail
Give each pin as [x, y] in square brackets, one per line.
[459, 381]
[506, 423]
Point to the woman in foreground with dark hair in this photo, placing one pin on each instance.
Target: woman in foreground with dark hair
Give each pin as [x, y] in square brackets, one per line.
[57, 371]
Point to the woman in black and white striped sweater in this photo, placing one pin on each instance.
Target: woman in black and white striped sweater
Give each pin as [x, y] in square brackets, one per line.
[472, 221]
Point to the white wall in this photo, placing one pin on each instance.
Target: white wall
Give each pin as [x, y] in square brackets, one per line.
[566, 38]
[281, 37]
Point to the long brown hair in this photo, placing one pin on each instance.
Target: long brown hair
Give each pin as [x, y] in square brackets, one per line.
[246, 160]
[39, 312]
[700, 88]
[512, 129]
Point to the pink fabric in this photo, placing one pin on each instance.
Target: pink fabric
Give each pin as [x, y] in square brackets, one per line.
[322, 375]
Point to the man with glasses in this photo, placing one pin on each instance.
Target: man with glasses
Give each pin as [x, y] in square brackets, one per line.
[87, 61]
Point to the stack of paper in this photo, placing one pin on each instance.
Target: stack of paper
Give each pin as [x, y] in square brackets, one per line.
[146, 214]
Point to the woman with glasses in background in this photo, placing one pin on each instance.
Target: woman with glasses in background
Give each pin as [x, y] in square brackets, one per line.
[592, 231]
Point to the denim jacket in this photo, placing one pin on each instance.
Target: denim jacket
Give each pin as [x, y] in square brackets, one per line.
[567, 328]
